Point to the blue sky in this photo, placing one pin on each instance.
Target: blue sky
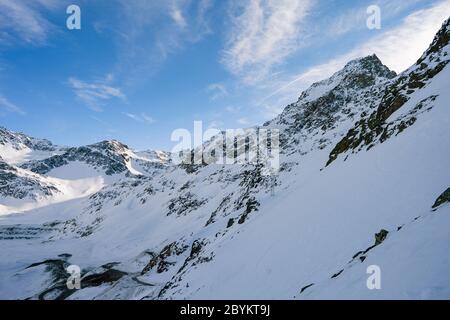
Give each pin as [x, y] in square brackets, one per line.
[137, 70]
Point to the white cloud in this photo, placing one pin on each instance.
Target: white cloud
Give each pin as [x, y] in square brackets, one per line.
[150, 31]
[7, 105]
[398, 48]
[215, 124]
[94, 94]
[243, 121]
[24, 21]
[178, 18]
[355, 18]
[143, 118]
[350, 20]
[232, 109]
[202, 19]
[263, 33]
[147, 118]
[402, 46]
[217, 90]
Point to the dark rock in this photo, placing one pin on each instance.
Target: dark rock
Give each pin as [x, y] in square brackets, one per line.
[306, 287]
[184, 204]
[358, 254]
[443, 198]
[337, 274]
[109, 276]
[381, 236]
[159, 260]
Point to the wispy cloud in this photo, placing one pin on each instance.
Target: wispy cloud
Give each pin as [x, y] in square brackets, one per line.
[398, 48]
[96, 93]
[179, 22]
[216, 124]
[355, 18]
[143, 118]
[217, 91]
[178, 18]
[8, 106]
[25, 21]
[263, 33]
[232, 109]
[102, 122]
[243, 121]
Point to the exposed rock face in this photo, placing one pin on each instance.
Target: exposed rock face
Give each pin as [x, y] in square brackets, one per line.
[380, 237]
[443, 198]
[108, 276]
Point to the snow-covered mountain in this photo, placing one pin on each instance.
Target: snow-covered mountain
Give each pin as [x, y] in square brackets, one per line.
[17, 148]
[36, 173]
[110, 157]
[363, 181]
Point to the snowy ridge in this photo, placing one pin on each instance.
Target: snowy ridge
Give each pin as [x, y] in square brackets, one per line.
[17, 148]
[110, 157]
[64, 173]
[363, 181]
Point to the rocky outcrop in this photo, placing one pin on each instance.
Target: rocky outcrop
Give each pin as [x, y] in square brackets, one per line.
[443, 198]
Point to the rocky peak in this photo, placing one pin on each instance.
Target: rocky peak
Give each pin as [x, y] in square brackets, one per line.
[342, 96]
[357, 74]
[111, 146]
[21, 141]
[370, 65]
[363, 73]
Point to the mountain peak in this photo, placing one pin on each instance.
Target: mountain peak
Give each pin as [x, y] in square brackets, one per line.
[111, 145]
[358, 74]
[370, 64]
[373, 58]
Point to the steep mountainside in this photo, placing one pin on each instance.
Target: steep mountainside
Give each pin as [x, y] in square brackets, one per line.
[363, 182]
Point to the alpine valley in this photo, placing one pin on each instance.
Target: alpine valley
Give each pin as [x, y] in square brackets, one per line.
[364, 181]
